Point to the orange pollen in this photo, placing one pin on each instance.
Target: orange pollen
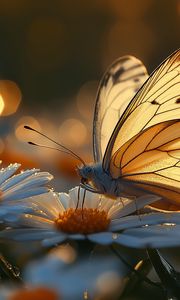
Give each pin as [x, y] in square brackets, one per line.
[85, 221]
[39, 293]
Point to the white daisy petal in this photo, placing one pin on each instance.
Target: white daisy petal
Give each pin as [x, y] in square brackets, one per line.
[21, 194]
[59, 238]
[48, 204]
[25, 184]
[27, 234]
[17, 178]
[73, 197]
[35, 221]
[106, 204]
[37, 179]
[135, 205]
[153, 237]
[64, 200]
[77, 236]
[103, 238]
[142, 220]
[5, 173]
[92, 200]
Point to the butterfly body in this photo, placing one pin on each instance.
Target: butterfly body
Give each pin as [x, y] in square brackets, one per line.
[101, 182]
[136, 136]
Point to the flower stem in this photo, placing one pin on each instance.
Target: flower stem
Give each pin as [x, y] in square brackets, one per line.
[138, 273]
[8, 270]
[169, 277]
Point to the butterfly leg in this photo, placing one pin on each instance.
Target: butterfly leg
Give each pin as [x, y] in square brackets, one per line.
[89, 188]
[84, 196]
[79, 189]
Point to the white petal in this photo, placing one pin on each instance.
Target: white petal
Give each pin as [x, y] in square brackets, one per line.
[29, 220]
[103, 238]
[73, 197]
[5, 173]
[50, 204]
[27, 234]
[135, 205]
[106, 204]
[142, 220]
[64, 200]
[152, 237]
[21, 194]
[77, 236]
[35, 180]
[17, 178]
[59, 238]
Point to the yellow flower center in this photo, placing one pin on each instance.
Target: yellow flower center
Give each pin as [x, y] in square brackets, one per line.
[85, 221]
[39, 293]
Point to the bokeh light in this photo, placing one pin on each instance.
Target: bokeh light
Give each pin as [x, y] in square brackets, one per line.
[109, 284]
[21, 133]
[123, 36]
[65, 253]
[86, 99]
[130, 10]
[73, 132]
[10, 97]
[1, 104]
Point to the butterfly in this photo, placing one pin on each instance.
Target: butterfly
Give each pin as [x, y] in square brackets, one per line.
[136, 131]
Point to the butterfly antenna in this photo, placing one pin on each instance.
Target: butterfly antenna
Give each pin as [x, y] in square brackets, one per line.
[48, 147]
[66, 150]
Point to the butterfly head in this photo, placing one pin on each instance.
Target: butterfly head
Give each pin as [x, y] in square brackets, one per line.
[86, 173]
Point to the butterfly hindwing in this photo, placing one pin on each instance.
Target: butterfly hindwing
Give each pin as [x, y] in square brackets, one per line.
[118, 86]
[151, 160]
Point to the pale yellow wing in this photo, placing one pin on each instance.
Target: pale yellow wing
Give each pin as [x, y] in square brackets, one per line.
[118, 86]
[157, 101]
[151, 160]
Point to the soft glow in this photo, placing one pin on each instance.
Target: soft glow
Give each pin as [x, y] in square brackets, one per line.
[1, 104]
[121, 37]
[23, 134]
[109, 283]
[2, 146]
[130, 10]
[10, 97]
[65, 253]
[73, 132]
[86, 99]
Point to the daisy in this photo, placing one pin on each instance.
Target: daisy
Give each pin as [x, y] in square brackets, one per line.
[52, 278]
[56, 218]
[17, 187]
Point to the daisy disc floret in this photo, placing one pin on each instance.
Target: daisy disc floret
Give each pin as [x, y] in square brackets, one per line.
[82, 220]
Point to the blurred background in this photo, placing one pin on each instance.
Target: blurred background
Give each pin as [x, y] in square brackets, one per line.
[52, 56]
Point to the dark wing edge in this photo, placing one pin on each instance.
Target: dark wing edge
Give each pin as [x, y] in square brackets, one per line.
[115, 74]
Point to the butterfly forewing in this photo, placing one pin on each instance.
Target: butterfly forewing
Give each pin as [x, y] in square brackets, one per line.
[157, 101]
[118, 86]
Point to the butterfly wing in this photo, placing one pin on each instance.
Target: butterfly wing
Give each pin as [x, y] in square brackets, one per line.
[151, 160]
[144, 147]
[158, 100]
[118, 86]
